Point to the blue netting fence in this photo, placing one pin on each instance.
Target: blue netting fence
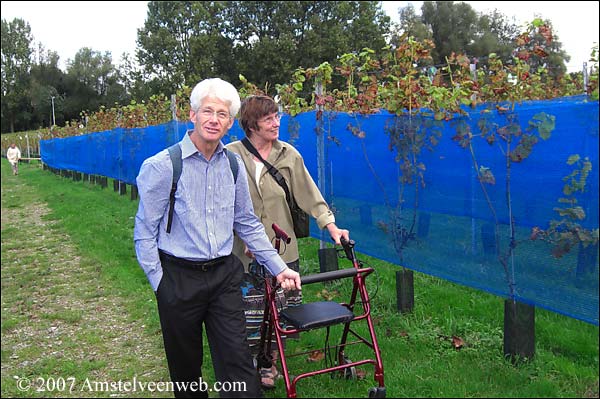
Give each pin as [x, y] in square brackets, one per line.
[430, 214]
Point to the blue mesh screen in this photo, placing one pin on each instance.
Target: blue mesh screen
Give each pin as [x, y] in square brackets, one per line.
[439, 222]
[117, 153]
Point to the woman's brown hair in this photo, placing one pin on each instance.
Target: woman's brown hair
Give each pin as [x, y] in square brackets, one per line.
[253, 108]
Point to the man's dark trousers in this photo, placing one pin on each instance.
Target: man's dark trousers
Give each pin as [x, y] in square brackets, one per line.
[191, 294]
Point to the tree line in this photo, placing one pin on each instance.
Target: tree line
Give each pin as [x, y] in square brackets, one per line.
[183, 42]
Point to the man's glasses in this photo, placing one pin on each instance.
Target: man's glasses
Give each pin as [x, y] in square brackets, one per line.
[209, 113]
[271, 119]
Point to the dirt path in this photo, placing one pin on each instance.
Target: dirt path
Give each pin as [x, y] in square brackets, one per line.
[64, 334]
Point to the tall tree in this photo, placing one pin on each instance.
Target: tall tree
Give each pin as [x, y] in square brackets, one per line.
[93, 82]
[93, 69]
[182, 42]
[554, 61]
[131, 77]
[264, 38]
[274, 38]
[47, 81]
[495, 34]
[410, 24]
[456, 27]
[453, 27]
[16, 62]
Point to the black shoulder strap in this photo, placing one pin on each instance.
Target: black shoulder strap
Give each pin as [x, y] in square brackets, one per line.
[233, 163]
[273, 171]
[175, 155]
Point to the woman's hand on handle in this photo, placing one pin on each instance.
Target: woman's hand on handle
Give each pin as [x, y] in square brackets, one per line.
[336, 233]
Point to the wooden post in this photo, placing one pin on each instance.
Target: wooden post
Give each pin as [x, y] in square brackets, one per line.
[328, 260]
[405, 292]
[134, 192]
[519, 331]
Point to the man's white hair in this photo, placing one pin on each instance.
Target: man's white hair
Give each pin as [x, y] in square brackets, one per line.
[216, 88]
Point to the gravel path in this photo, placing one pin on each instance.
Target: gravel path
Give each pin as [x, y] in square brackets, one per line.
[65, 334]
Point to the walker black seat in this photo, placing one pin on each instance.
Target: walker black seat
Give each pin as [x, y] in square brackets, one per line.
[316, 315]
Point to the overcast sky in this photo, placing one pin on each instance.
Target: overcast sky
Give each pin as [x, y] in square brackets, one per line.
[65, 27]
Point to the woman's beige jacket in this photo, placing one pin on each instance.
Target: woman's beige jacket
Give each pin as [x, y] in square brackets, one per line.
[269, 202]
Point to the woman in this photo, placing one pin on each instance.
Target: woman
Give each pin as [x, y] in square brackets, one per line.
[13, 154]
[260, 120]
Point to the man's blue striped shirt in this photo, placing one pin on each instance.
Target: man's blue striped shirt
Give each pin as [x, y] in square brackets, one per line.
[209, 206]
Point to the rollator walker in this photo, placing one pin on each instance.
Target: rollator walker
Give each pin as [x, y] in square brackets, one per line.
[322, 314]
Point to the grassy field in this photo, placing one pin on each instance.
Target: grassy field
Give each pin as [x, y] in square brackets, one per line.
[76, 307]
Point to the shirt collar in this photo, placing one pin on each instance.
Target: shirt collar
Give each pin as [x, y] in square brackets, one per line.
[188, 148]
[277, 150]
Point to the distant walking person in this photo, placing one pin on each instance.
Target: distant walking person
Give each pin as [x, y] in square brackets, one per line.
[13, 154]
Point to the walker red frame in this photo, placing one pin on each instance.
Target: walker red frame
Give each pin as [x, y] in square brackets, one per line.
[272, 325]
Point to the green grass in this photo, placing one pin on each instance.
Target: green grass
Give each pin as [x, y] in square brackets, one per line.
[64, 315]
[418, 356]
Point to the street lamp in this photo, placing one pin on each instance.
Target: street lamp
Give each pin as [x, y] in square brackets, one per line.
[53, 117]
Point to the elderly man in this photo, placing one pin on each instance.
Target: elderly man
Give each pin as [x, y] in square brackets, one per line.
[185, 249]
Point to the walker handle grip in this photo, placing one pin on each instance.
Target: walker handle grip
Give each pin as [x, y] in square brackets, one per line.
[328, 276]
[280, 233]
[348, 247]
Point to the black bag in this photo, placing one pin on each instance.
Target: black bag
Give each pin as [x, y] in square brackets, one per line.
[301, 220]
[299, 217]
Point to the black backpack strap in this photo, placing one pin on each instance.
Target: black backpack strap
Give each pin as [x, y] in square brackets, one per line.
[233, 163]
[273, 171]
[175, 155]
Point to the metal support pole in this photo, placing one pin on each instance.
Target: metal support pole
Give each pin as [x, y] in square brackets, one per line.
[585, 77]
[320, 151]
[473, 69]
[174, 107]
[53, 117]
[28, 151]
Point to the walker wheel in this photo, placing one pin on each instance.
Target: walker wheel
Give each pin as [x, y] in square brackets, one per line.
[350, 372]
[377, 392]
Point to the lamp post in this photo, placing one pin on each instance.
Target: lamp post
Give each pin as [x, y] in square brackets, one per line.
[53, 117]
